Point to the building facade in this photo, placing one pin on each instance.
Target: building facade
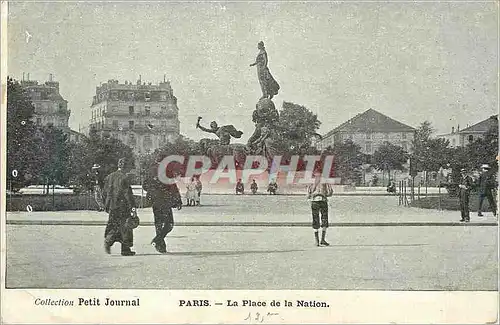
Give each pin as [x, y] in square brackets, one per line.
[461, 138]
[143, 116]
[51, 109]
[369, 130]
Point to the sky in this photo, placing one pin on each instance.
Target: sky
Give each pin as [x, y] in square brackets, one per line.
[411, 61]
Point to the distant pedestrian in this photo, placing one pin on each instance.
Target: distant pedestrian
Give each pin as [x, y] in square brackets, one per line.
[240, 188]
[272, 188]
[391, 187]
[464, 186]
[486, 184]
[254, 187]
[199, 188]
[163, 198]
[318, 194]
[120, 204]
[191, 193]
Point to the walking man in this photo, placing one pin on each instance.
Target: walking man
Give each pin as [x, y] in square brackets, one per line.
[485, 190]
[163, 197]
[120, 204]
[318, 194]
[464, 193]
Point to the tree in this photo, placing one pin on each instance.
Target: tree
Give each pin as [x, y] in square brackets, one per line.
[389, 157]
[23, 143]
[348, 160]
[55, 157]
[94, 149]
[181, 146]
[296, 128]
[429, 154]
[484, 150]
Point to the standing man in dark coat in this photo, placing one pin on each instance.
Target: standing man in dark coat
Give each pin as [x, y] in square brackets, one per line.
[120, 204]
[465, 186]
[485, 190]
[163, 197]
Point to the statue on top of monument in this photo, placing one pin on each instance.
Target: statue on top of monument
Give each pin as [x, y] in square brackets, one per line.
[224, 133]
[268, 84]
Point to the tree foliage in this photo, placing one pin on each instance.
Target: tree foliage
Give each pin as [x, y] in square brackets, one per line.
[56, 155]
[348, 160]
[23, 143]
[484, 150]
[389, 157]
[429, 154]
[94, 149]
[296, 128]
[182, 146]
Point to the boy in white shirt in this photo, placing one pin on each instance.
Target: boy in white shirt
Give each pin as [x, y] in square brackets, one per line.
[318, 194]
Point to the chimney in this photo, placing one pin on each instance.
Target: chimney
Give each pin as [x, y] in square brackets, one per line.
[164, 78]
[28, 77]
[458, 128]
[50, 77]
[23, 76]
[452, 129]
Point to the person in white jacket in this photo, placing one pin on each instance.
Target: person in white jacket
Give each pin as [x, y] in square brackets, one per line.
[317, 194]
[191, 193]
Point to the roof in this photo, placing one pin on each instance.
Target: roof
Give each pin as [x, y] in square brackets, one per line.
[371, 121]
[483, 126]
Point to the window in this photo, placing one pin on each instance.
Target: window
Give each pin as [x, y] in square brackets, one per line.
[61, 106]
[404, 135]
[115, 124]
[163, 138]
[147, 110]
[38, 121]
[163, 97]
[131, 124]
[471, 138]
[131, 110]
[453, 142]
[147, 96]
[368, 147]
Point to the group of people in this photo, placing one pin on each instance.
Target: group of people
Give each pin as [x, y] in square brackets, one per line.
[272, 188]
[119, 203]
[485, 185]
[193, 191]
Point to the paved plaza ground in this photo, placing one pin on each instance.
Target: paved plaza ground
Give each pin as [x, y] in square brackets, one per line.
[276, 210]
[366, 252]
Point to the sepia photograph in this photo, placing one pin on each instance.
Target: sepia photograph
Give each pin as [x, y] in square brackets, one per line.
[323, 147]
